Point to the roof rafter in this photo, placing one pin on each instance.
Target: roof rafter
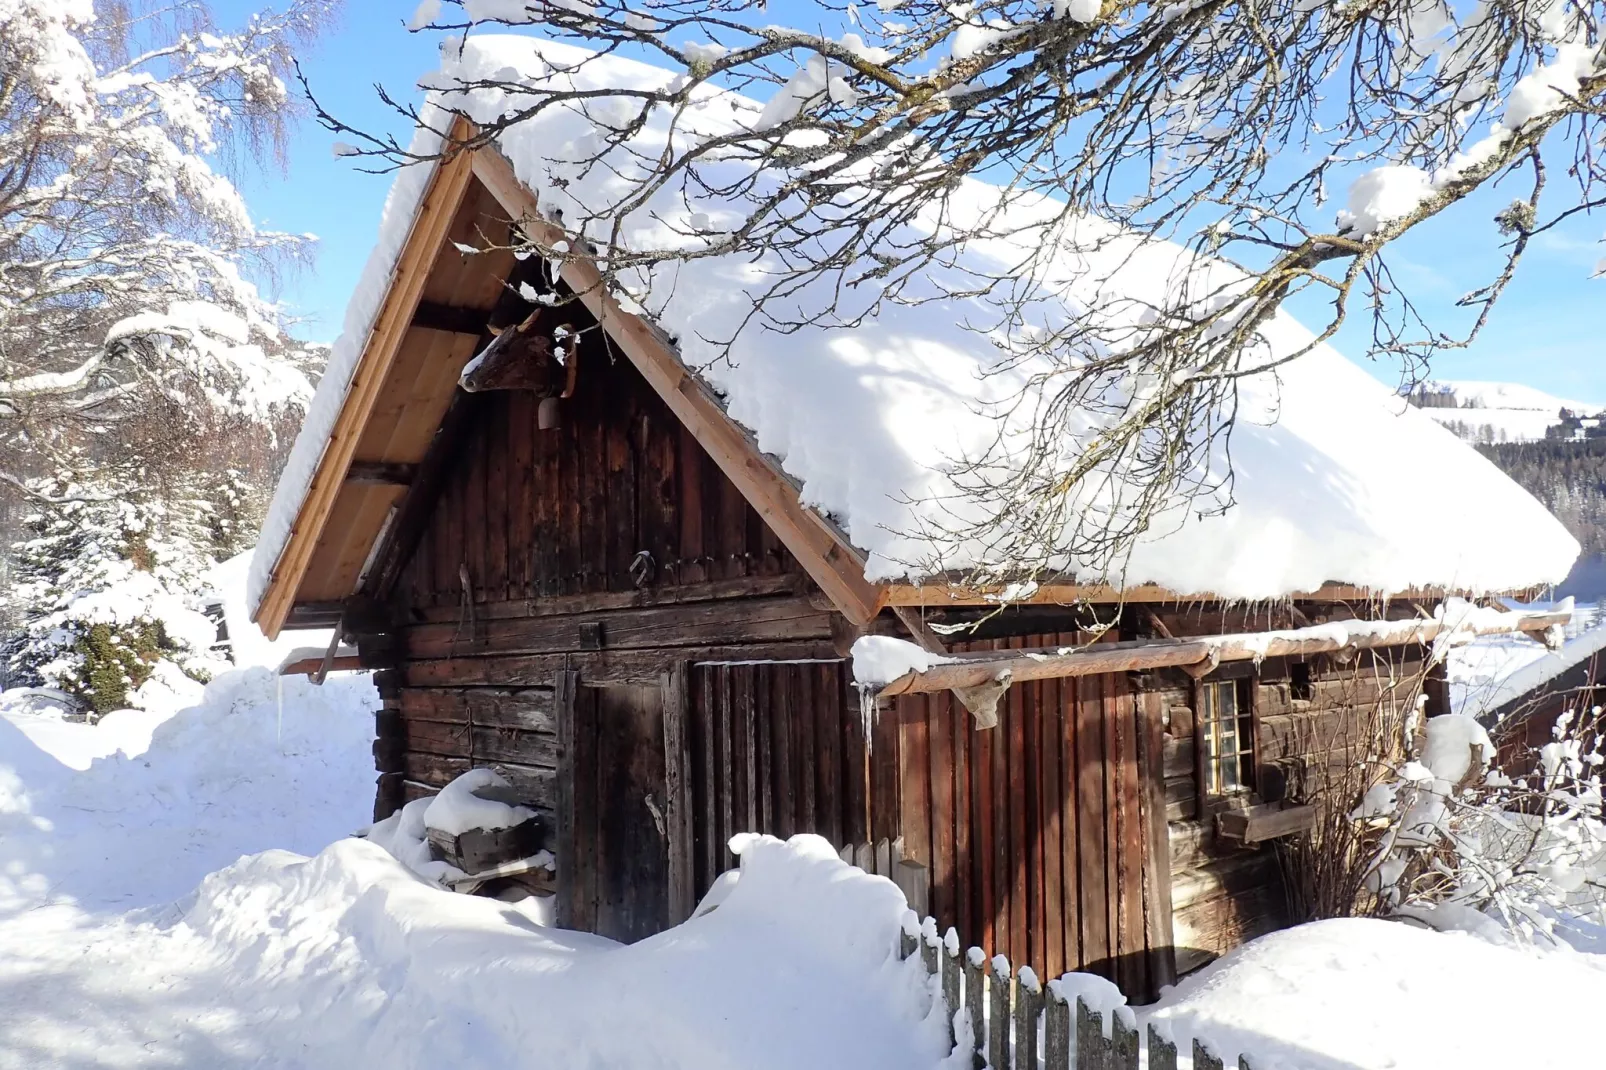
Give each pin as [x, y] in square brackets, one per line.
[445, 192]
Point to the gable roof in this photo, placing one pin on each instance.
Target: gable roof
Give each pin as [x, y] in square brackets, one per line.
[1335, 479]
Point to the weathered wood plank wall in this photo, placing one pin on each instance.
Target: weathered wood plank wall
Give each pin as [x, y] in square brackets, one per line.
[1223, 894]
[531, 514]
[779, 748]
[1037, 834]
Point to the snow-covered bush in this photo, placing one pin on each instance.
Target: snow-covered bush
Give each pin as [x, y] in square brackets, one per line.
[106, 588]
[1462, 843]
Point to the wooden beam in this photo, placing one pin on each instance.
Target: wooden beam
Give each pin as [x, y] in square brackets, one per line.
[441, 317]
[416, 508]
[312, 666]
[924, 637]
[429, 228]
[945, 595]
[314, 615]
[381, 473]
[982, 668]
[830, 560]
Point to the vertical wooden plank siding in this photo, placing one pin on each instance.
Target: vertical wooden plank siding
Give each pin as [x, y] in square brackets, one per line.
[1158, 935]
[564, 511]
[940, 819]
[1091, 818]
[563, 700]
[1038, 836]
[1020, 837]
[679, 773]
[1050, 799]
[776, 747]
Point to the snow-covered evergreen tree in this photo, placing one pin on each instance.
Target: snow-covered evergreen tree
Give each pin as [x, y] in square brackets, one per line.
[107, 587]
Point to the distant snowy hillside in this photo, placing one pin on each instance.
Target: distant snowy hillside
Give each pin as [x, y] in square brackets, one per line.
[1489, 412]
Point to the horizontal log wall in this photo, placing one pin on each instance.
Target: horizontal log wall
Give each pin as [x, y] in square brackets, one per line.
[531, 513]
[1224, 894]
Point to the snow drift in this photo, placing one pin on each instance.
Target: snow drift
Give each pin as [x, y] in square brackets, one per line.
[1361, 994]
[348, 959]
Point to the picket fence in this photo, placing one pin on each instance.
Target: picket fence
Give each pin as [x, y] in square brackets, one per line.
[1014, 1022]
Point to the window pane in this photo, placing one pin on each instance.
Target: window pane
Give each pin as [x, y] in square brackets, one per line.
[1226, 732]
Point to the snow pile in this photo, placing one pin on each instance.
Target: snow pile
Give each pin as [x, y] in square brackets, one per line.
[404, 836]
[880, 659]
[1376, 995]
[454, 810]
[458, 808]
[873, 421]
[137, 808]
[347, 959]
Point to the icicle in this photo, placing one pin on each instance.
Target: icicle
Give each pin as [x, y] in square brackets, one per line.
[278, 728]
[867, 716]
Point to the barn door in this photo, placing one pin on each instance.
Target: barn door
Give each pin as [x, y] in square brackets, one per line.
[618, 851]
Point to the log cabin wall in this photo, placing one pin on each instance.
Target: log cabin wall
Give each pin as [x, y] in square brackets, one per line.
[564, 582]
[1032, 839]
[521, 637]
[1309, 718]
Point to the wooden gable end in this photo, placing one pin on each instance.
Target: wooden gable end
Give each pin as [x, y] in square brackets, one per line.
[618, 498]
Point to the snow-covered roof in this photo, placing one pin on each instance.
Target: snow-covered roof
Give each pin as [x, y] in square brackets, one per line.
[1490, 674]
[1335, 478]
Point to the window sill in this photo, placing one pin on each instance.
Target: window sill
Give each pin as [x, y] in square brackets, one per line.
[1266, 821]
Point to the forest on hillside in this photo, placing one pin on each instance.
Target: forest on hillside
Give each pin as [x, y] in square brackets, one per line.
[1569, 476]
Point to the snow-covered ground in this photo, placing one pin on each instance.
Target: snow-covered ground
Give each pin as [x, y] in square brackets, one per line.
[119, 945]
[1500, 412]
[178, 889]
[1361, 993]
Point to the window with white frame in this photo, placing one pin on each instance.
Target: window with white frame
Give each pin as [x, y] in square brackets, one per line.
[1226, 734]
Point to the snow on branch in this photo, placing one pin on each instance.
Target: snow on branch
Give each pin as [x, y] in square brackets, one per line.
[122, 247]
[846, 164]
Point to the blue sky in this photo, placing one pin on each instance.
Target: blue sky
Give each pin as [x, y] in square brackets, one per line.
[1548, 332]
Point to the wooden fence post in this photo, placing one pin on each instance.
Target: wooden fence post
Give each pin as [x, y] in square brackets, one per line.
[1028, 1005]
[1203, 1060]
[1162, 1053]
[976, 1001]
[1057, 1030]
[930, 945]
[1123, 1042]
[950, 981]
[998, 1015]
[1092, 1048]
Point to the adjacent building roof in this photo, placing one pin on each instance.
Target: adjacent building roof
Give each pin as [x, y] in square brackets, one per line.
[1335, 479]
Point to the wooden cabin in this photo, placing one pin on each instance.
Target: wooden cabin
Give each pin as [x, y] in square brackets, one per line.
[584, 574]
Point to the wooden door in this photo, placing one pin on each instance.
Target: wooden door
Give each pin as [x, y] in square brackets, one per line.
[619, 860]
